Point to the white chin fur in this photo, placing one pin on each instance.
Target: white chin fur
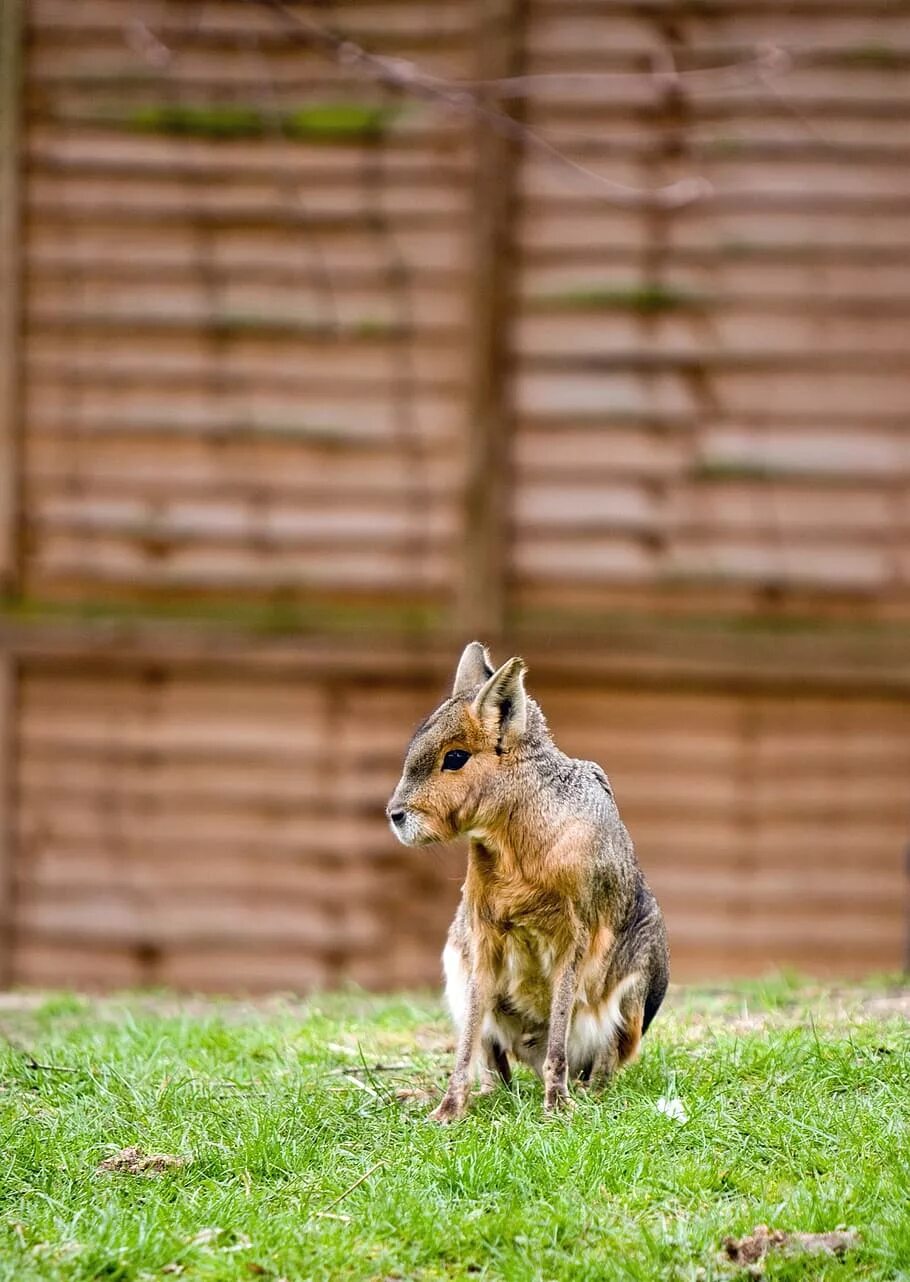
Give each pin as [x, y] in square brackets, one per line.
[410, 833]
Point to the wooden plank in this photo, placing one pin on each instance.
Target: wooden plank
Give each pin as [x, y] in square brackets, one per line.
[111, 214]
[10, 77]
[500, 34]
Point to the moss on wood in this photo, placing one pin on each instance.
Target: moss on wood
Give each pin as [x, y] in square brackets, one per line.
[321, 122]
[734, 470]
[277, 616]
[644, 298]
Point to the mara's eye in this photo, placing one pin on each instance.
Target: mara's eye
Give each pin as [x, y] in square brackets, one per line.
[455, 759]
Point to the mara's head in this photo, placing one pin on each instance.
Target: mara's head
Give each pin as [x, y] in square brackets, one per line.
[458, 755]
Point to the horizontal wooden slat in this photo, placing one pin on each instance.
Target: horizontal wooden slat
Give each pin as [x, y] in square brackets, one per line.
[743, 334]
[368, 21]
[265, 364]
[351, 247]
[61, 561]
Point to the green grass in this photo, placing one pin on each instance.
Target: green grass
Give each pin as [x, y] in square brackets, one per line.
[797, 1105]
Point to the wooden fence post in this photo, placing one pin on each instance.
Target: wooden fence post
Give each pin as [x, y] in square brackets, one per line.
[499, 33]
[10, 278]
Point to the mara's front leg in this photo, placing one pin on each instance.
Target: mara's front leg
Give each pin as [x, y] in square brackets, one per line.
[455, 1100]
[555, 1066]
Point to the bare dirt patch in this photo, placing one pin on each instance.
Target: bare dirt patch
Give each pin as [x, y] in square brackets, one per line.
[132, 1161]
[887, 1005]
[19, 1002]
[749, 1251]
[696, 1013]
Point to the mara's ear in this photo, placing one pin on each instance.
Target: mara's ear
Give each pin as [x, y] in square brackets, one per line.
[502, 705]
[474, 666]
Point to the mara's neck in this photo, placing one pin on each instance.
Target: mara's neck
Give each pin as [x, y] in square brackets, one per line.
[523, 838]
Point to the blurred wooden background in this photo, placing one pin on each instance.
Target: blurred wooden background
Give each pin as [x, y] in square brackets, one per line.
[316, 363]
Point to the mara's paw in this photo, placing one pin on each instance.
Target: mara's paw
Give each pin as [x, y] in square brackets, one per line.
[558, 1100]
[450, 1110]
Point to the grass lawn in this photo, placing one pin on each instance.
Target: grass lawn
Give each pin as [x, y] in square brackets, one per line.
[306, 1153]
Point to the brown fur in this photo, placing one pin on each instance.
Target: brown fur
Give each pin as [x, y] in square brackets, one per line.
[558, 953]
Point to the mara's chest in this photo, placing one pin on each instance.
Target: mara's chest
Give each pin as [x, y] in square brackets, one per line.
[525, 957]
[525, 926]
[524, 964]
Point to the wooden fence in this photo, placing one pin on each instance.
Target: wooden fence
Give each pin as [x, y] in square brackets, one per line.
[207, 812]
[394, 352]
[288, 333]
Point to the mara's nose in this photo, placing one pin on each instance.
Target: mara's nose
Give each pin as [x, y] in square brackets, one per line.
[396, 815]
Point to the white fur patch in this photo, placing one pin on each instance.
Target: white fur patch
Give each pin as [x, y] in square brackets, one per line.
[456, 983]
[615, 1001]
[586, 1036]
[592, 1029]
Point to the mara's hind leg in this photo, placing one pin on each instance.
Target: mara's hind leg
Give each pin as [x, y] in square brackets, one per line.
[628, 1035]
[637, 1008]
[634, 1002]
[624, 1028]
[654, 996]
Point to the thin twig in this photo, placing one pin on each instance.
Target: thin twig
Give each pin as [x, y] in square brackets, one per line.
[361, 1086]
[772, 59]
[775, 92]
[376, 1085]
[406, 77]
[374, 1068]
[341, 1196]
